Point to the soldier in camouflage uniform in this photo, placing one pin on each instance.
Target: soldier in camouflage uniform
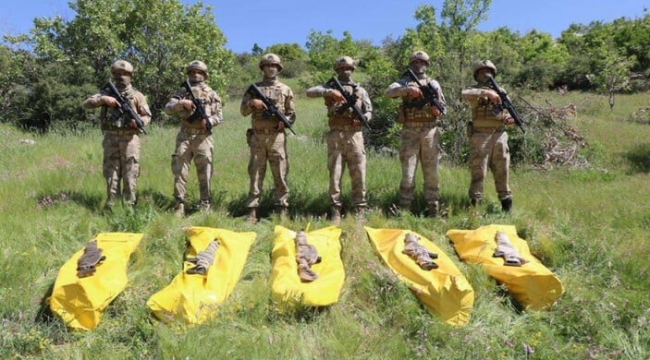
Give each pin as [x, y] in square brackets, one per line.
[194, 140]
[487, 136]
[420, 134]
[345, 139]
[121, 163]
[266, 137]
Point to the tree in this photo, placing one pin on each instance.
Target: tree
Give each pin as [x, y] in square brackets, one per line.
[14, 62]
[542, 60]
[104, 31]
[288, 52]
[459, 20]
[323, 49]
[597, 60]
[257, 50]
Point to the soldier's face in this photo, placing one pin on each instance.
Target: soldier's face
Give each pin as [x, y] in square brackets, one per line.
[419, 66]
[196, 76]
[270, 71]
[122, 77]
[483, 75]
[344, 72]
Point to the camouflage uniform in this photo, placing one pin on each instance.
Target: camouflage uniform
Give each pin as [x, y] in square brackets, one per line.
[420, 139]
[345, 140]
[488, 141]
[194, 141]
[266, 142]
[121, 162]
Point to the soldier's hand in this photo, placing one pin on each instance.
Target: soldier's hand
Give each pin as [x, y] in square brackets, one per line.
[356, 122]
[493, 96]
[280, 126]
[435, 112]
[414, 92]
[204, 122]
[509, 120]
[336, 96]
[110, 101]
[133, 124]
[256, 104]
[188, 105]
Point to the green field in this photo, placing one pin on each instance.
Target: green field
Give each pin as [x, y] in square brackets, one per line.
[589, 225]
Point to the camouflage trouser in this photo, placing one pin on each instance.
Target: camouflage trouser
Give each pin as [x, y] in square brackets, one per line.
[489, 149]
[419, 145]
[121, 163]
[269, 147]
[199, 148]
[346, 147]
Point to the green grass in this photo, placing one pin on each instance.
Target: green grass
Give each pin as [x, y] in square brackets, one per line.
[590, 226]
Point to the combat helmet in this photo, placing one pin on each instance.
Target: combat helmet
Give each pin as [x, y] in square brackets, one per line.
[344, 61]
[419, 55]
[270, 59]
[484, 64]
[197, 65]
[122, 65]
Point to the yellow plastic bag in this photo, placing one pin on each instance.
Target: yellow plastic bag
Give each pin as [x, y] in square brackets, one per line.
[533, 285]
[79, 302]
[444, 291]
[286, 288]
[195, 298]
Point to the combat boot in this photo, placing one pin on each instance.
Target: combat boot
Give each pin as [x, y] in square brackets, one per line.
[108, 207]
[204, 206]
[506, 204]
[281, 211]
[251, 218]
[336, 215]
[432, 210]
[179, 210]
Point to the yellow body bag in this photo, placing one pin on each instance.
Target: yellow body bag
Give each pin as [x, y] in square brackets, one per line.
[80, 301]
[533, 285]
[444, 291]
[194, 298]
[286, 288]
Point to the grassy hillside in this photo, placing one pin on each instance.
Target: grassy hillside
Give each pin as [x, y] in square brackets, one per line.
[590, 226]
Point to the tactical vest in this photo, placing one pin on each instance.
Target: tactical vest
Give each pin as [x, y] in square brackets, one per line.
[485, 115]
[263, 119]
[346, 117]
[416, 110]
[202, 93]
[116, 118]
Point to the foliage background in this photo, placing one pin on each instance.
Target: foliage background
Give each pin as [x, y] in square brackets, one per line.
[580, 187]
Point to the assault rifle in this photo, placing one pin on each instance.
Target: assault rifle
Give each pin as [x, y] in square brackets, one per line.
[199, 112]
[350, 101]
[428, 91]
[125, 107]
[271, 109]
[506, 104]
